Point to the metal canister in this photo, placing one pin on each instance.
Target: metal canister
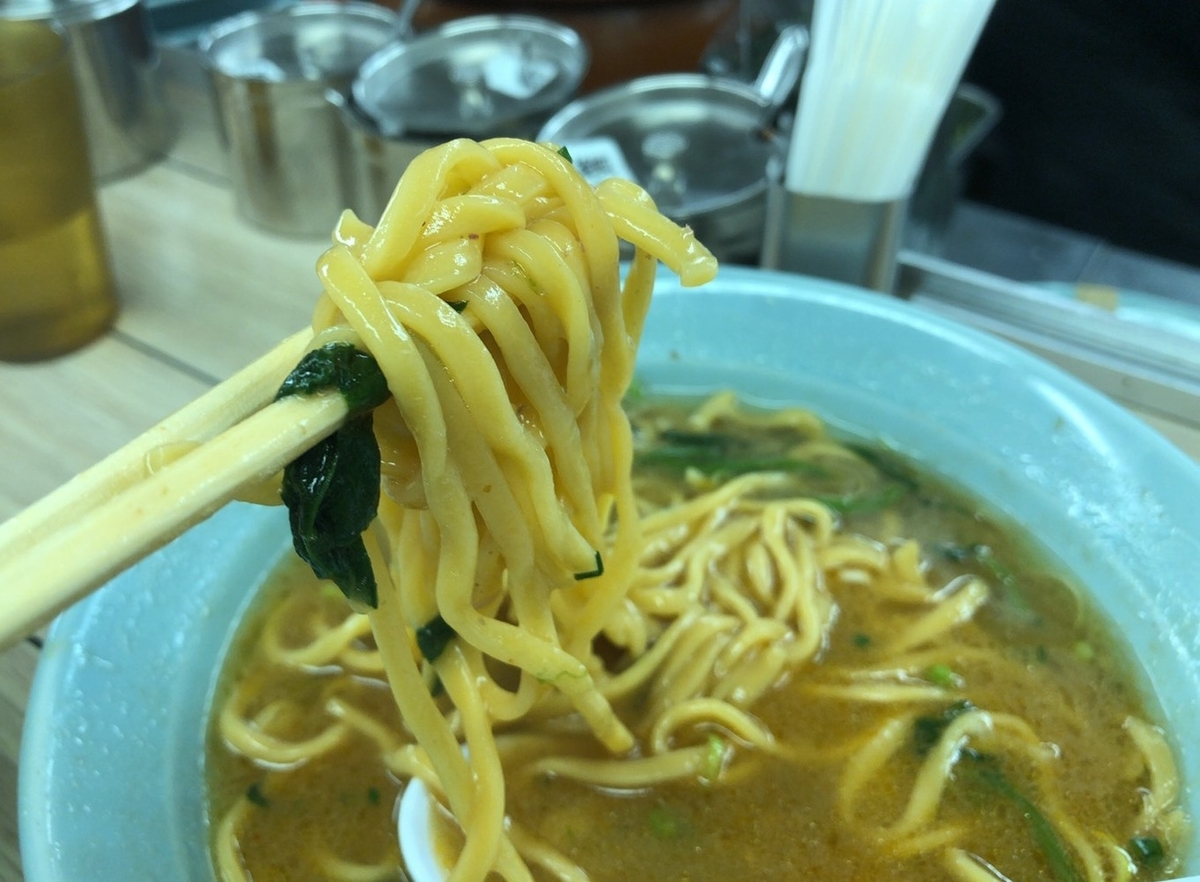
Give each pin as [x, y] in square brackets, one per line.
[475, 77]
[373, 162]
[117, 69]
[700, 144]
[270, 73]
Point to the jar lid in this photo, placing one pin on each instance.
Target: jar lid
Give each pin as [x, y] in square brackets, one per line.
[695, 142]
[473, 77]
[312, 41]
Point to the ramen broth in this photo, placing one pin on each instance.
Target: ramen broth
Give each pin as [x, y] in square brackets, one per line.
[1034, 651]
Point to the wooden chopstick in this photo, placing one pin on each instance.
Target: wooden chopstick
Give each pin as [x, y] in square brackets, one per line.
[113, 514]
[213, 412]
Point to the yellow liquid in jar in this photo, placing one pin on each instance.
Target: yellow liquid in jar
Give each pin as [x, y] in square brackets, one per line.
[56, 290]
[56, 293]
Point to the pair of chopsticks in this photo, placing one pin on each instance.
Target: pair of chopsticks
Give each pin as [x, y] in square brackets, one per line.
[118, 511]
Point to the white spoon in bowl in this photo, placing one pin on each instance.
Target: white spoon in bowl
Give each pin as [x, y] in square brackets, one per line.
[415, 828]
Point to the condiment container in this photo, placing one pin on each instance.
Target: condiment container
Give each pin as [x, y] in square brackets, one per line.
[117, 67]
[56, 286]
[270, 72]
[476, 77]
[372, 162]
[700, 144]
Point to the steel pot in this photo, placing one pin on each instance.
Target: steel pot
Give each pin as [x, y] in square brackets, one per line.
[475, 77]
[699, 144]
[478, 77]
[371, 162]
[270, 72]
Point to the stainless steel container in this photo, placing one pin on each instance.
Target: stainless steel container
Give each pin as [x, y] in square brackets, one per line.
[841, 239]
[477, 77]
[270, 73]
[117, 68]
[372, 163]
[700, 145]
[859, 242]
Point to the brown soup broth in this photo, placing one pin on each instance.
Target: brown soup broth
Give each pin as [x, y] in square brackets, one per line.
[1036, 650]
[341, 803]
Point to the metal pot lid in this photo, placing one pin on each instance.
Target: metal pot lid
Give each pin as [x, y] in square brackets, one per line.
[306, 42]
[696, 143]
[67, 12]
[472, 76]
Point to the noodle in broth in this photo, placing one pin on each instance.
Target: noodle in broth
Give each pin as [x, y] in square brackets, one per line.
[756, 609]
[814, 728]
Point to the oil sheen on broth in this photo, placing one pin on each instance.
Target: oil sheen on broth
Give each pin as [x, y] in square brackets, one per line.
[1031, 654]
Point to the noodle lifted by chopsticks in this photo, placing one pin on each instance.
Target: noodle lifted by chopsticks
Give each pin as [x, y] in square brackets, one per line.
[489, 295]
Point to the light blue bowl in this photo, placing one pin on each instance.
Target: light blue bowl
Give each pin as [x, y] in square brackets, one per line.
[111, 779]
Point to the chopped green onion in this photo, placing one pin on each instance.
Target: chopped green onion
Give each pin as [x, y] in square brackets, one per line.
[941, 675]
[592, 574]
[1146, 850]
[256, 796]
[986, 769]
[985, 558]
[862, 641]
[636, 391]
[927, 730]
[691, 438]
[714, 760]
[714, 453]
[666, 822]
[680, 458]
[862, 503]
[433, 637]
[888, 464]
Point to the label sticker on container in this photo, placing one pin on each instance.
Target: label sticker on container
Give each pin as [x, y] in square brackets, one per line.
[598, 159]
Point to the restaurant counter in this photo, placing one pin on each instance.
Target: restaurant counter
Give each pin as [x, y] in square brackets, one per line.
[203, 294]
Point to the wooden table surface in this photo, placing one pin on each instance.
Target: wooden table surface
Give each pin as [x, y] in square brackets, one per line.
[203, 294]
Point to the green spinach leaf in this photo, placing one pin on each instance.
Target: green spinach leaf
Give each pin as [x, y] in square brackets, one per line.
[332, 490]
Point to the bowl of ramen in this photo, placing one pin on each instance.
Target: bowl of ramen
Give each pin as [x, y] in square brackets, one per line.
[902, 602]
